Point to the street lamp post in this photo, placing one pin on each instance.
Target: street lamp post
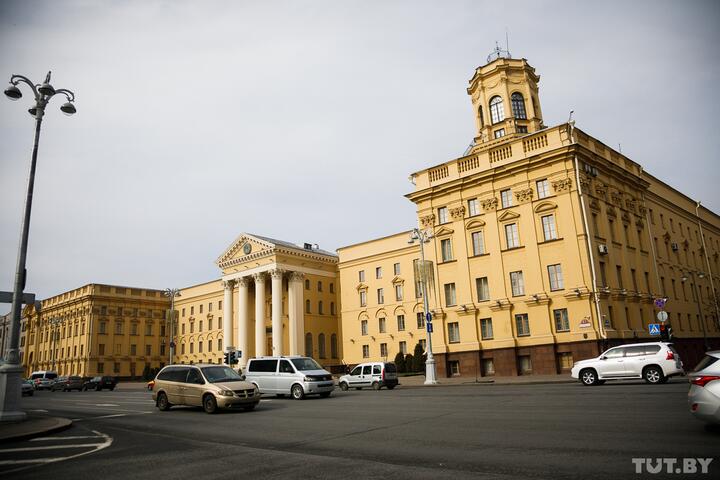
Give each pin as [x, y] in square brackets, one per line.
[699, 306]
[11, 371]
[424, 237]
[171, 293]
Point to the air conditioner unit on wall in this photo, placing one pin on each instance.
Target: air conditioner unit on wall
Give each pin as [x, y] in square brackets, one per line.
[602, 248]
[674, 247]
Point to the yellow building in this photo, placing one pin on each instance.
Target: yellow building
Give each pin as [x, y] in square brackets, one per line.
[274, 298]
[548, 246]
[97, 330]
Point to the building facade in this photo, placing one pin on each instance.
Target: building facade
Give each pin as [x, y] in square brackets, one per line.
[547, 247]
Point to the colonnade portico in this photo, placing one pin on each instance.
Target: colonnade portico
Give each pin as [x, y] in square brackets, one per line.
[295, 313]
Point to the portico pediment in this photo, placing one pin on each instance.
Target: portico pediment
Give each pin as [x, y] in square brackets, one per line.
[245, 246]
[508, 215]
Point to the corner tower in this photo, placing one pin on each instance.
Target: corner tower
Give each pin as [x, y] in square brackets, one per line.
[505, 98]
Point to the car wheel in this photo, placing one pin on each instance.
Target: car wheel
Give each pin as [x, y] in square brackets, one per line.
[376, 385]
[162, 402]
[325, 394]
[343, 386]
[297, 392]
[589, 377]
[653, 375]
[209, 404]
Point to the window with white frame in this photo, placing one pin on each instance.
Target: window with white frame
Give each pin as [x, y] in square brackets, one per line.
[450, 294]
[486, 329]
[556, 278]
[380, 296]
[543, 188]
[499, 133]
[399, 292]
[366, 351]
[522, 324]
[483, 289]
[403, 348]
[361, 276]
[446, 250]
[517, 102]
[506, 198]
[473, 207]
[420, 316]
[401, 323]
[512, 237]
[442, 215]
[363, 298]
[497, 110]
[363, 327]
[453, 332]
[517, 283]
[382, 325]
[383, 350]
[478, 243]
[548, 224]
[562, 322]
[378, 272]
[396, 269]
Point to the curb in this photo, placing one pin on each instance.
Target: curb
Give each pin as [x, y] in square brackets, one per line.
[60, 425]
[489, 382]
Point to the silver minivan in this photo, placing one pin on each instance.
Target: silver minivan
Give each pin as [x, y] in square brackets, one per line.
[296, 376]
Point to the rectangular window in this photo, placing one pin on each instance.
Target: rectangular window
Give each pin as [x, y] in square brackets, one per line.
[383, 350]
[210, 307]
[517, 283]
[511, 235]
[101, 367]
[420, 317]
[442, 215]
[102, 327]
[148, 329]
[556, 278]
[219, 343]
[543, 189]
[118, 328]
[483, 289]
[478, 243]
[618, 271]
[403, 348]
[133, 349]
[499, 133]
[382, 325]
[361, 276]
[396, 269]
[378, 272]
[486, 329]
[565, 360]
[522, 129]
[101, 349]
[446, 250]
[548, 224]
[506, 198]
[398, 292]
[363, 298]
[473, 207]
[201, 308]
[522, 324]
[450, 294]
[366, 351]
[363, 327]
[319, 286]
[401, 323]
[562, 322]
[454, 332]
[380, 296]
[603, 275]
[148, 350]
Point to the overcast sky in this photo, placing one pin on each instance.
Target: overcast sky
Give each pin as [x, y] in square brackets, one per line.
[302, 120]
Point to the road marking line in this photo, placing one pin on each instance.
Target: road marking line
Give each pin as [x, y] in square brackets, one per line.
[106, 405]
[43, 439]
[109, 416]
[48, 447]
[37, 460]
[39, 411]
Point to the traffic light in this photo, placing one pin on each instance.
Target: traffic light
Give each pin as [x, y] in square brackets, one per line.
[232, 360]
[665, 332]
[227, 358]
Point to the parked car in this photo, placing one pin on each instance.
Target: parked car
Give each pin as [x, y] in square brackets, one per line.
[704, 394]
[99, 383]
[654, 362]
[373, 374]
[43, 379]
[27, 388]
[67, 383]
[208, 386]
[296, 376]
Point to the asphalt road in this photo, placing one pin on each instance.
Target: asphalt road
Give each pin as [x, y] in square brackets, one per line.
[470, 431]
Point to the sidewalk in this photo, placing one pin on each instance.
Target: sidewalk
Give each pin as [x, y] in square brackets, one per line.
[419, 380]
[34, 426]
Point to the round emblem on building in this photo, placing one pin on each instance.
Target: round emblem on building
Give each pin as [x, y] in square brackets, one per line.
[247, 249]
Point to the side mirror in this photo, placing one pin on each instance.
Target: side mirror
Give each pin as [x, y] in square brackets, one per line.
[603, 357]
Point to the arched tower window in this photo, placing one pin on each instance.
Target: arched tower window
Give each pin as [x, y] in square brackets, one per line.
[480, 116]
[333, 346]
[518, 106]
[308, 345]
[497, 111]
[321, 345]
[307, 306]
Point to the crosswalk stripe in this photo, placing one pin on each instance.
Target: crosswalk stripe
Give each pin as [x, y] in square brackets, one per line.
[44, 439]
[49, 447]
[32, 460]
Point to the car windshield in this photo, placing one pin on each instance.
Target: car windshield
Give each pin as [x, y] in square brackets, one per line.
[220, 374]
[304, 364]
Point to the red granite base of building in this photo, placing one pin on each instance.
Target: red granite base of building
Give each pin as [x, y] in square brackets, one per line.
[551, 359]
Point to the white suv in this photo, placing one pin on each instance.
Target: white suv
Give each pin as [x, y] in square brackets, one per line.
[655, 362]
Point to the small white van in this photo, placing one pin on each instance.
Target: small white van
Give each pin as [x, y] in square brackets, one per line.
[43, 379]
[373, 374]
[296, 376]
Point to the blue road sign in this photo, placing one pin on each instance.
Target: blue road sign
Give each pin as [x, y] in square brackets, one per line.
[654, 328]
[660, 303]
[429, 326]
[428, 317]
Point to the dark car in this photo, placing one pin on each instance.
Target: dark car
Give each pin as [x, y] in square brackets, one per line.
[67, 383]
[98, 383]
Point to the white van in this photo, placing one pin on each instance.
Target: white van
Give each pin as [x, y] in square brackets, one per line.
[373, 374]
[297, 376]
[43, 379]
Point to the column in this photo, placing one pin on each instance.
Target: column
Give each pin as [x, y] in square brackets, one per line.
[227, 314]
[296, 338]
[259, 314]
[242, 320]
[277, 333]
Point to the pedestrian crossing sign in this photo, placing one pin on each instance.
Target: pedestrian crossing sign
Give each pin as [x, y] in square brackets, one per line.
[654, 328]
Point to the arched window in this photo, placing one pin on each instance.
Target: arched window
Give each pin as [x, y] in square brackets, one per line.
[497, 110]
[333, 346]
[321, 345]
[307, 306]
[518, 105]
[332, 308]
[320, 308]
[307, 284]
[308, 345]
[480, 117]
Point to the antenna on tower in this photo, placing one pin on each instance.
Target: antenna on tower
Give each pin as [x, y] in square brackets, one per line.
[507, 43]
[498, 52]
